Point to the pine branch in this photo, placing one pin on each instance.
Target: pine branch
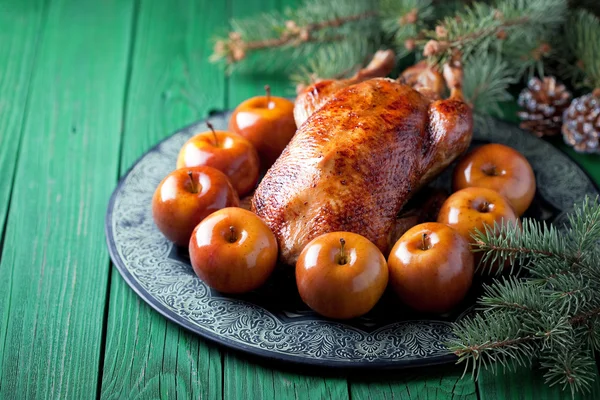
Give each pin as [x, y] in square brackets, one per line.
[333, 62]
[482, 341]
[486, 78]
[582, 33]
[483, 27]
[511, 294]
[293, 35]
[584, 224]
[573, 368]
[553, 315]
[584, 317]
[402, 20]
[508, 242]
[280, 41]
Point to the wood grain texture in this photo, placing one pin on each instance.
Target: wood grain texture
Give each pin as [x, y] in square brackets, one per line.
[420, 383]
[526, 384]
[21, 22]
[249, 379]
[172, 84]
[54, 263]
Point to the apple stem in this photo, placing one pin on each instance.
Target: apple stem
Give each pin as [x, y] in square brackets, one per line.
[233, 237]
[491, 171]
[212, 128]
[425, 242]
[485, 207]
[268, 92]
[194, 188]
[342, 260]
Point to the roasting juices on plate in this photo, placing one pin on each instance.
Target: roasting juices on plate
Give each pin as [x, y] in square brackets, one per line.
[334, 203]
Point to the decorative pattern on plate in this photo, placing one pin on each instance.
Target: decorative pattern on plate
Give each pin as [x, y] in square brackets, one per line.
[287, 330]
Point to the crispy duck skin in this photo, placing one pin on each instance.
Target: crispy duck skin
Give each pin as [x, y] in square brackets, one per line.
[311, 98]
[357, 160]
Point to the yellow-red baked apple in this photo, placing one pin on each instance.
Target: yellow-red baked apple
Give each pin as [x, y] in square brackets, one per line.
[473, 208]
[233, 250]
[431, 267]
[267, 122]
[500, 168]
[341, 275]
[186, 196]
[226, 151]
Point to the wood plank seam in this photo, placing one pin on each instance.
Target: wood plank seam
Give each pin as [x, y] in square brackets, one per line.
[132, 37]
[38, 39]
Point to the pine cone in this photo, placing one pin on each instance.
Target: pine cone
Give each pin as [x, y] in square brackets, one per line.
[581, 123]
[544, 103]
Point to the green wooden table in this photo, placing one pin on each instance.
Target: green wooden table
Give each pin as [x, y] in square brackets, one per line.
[86, 87]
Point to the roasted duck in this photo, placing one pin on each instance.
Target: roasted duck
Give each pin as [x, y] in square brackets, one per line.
[363, 151]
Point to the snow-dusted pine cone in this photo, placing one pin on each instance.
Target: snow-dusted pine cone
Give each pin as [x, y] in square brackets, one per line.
[581, 123]
[543, 103]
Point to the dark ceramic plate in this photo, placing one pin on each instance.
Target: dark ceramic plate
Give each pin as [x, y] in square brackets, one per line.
[272, 321]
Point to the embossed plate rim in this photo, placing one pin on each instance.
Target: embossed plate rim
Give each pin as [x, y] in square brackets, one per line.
[171, 315]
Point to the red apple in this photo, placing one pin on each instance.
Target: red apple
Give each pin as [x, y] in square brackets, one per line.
[186, 196]
[233, 251]
[341, 275]
[226, 151]
[500, 168]
[431, 267]
[473, 208]
[267, 122]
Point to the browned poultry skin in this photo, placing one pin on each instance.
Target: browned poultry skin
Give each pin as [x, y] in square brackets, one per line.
[311, 98]
[356, 161]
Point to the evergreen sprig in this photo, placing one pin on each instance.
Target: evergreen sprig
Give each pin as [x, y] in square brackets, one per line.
[345, 30]
[498, 41]
[485, 82]
[582, 36]
[553, 314]
[515, 28]
[402, 21]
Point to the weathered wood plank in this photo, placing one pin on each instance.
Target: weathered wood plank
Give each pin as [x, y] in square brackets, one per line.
[249, 378]
[54, 262]
[172, 84]
[526, 384]
[21, 22]
[420, 383]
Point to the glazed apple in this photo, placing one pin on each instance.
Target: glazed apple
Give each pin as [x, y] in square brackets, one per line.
[341, 275]
[473, 208]
[267, 122]
[500, 168]
[226, 151]
[431, 267]
[233, 251]
[186, 196]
